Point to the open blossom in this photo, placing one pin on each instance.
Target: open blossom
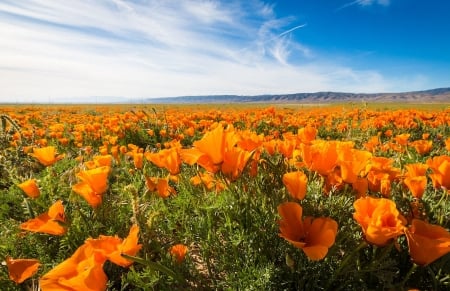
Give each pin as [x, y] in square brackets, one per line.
[47, 155]
[440, 166]
[379, 219]
[84, 269]
[427, 242]
[313, 235]
[50, 222]
[93, 185]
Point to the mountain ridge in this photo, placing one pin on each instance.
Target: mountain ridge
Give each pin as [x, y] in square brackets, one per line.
[437, 95]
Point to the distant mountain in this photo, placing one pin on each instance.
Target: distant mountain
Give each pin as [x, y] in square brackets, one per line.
[427, 96]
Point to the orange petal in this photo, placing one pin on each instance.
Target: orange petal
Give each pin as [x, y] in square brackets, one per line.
[21, 269]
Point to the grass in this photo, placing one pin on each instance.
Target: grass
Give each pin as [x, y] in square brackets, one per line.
[232, 235]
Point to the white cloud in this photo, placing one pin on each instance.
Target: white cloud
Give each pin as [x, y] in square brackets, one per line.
[52, 49]
[365, 3]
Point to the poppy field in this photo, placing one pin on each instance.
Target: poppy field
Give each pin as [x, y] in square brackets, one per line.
[224, 197]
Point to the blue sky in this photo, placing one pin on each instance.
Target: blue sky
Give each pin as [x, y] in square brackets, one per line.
[81, 50]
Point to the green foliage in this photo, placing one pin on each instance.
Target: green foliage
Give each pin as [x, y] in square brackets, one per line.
[232, 235]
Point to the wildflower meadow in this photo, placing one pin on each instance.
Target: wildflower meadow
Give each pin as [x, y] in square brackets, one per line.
[225, 197]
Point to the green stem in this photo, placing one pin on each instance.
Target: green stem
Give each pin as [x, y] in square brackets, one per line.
[345, 262]
[155, 266]
[413, 268]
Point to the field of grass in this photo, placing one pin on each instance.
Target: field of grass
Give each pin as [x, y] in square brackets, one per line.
[225, 197]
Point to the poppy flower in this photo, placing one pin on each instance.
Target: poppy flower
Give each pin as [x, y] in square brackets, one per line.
[49, 222]
[179, 252]
[82, 271]
[112, 246]
[379, 219]
[93, 185]
[234, 162]
[313, 236]
[422, 147]
[208, 180]
[352, 162]
[447, 144]
[402, 139]
[440, 166]
[21, 269]
[360, 186]
[30, 188]
[159, 185]
[427, 242]
[307, 134]
[166, 158]
[321, 156]
[209, 151]
[296, 184]
[46, 155]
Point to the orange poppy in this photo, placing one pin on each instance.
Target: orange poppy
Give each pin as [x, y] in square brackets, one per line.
[296, 184]
[93, 185]
[102, 160]
[379, 219]
[313, 236]
[21, 269]
[352, 162]
[422, 147]
[234, 161]
[402, 139]
[361, 185]
[82, 271]
[195, 156]
[160, 185]
[179, 252]
[30, 188]
[415, 178]
[440, 165]
[447, 144]
[427, 242]
[321, 156]
[213, 144]
[209, 151]
[208, 180]
[381, 174]
[46, 155]
[307, 134]
[50, 222]
[138, 160]
[416, 185]
[112, 246]
[166, 158]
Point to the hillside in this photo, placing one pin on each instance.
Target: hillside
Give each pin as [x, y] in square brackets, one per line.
[427, 96]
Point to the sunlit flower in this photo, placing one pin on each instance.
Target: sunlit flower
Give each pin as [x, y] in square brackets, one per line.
[30, 188]
[313, 235]
[296, 184]
[440, 165]
[93, 185]
[46, 155]
[82, 271]
[427, 242]
[379, 219]
[112, 247]
[50, 222]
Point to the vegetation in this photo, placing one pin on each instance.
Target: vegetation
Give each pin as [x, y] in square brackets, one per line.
[236, 197]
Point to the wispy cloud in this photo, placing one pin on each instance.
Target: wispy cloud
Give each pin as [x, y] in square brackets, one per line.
[52, 49]
[365, 3]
